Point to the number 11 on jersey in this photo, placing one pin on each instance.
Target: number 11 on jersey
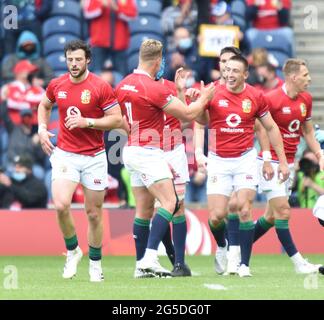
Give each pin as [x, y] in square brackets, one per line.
[128, 106]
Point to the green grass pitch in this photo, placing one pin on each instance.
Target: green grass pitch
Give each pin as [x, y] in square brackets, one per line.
[273, 278]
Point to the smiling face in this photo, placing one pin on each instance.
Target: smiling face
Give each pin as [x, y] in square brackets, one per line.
[223, 59]
[77, 63]
[236, 74]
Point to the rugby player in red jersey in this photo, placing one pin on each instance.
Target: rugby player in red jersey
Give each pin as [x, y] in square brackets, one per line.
[144, 101]
[291, 108]
[227, 256]
[87, 106]
[231, 116]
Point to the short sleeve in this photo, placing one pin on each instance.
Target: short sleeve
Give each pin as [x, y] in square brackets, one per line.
[50, 91]
[108, 98]
[263, 106]
[160, 95]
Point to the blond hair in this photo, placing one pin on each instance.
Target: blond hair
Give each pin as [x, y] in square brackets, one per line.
[151, 49]
[292, 66]
[259, 56]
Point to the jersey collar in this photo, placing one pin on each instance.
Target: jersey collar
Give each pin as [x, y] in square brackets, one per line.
[284, 89]
[139, 71]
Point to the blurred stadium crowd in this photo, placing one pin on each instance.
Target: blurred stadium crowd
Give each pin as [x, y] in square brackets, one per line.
[32, 54]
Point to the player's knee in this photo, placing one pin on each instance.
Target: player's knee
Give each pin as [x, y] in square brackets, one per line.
[232, 206]
[270, 219]
[62, 207]
[170, 205]
[283, 212]
[216, 216]
[94, 217]
[214, 221]
[245, 214]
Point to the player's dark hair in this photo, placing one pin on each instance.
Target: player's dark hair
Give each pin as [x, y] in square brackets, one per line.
[242, 60]
[76, 45]
[231, 49]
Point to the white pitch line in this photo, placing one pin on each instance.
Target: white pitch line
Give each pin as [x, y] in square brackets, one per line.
[213, 286]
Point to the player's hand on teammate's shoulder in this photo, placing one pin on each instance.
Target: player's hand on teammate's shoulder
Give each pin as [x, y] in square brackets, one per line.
[267, 170]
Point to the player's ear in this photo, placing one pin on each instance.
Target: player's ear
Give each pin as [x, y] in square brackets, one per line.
[246, 74]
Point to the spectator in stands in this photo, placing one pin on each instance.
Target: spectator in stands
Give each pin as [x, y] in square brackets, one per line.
[22, 93]
[31, 14]
[267, 78]
[28, 48]
[109, 31]
[179, 13]
[268, 14]
[185, 53]
[258, 57]
[310, 180]
[23, 140]
[22, 186]
[107, 75]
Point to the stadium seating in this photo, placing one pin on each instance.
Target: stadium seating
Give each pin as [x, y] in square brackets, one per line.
[66, 8]
[59, 25]
[145, 24]
[54, 124]
[272, 40]
[149, 7]
[56, 43]
[132, 62]
[136, 40]
[4, 138]
[238, 9]
[56, 61]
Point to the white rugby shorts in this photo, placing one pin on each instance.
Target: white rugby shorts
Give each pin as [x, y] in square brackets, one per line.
[145, 165]
[274, 189]
[226, 175]
[177, 159]
[90, 171]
